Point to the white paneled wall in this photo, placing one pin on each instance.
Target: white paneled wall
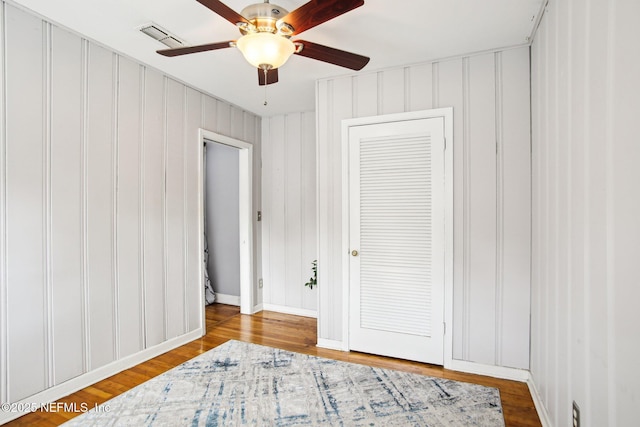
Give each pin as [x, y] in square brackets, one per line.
[99, 217]
[289, 227]
[489, 94]
[67, 173]
[586, 203]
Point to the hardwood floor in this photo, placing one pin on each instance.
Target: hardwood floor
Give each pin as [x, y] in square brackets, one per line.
[284, 331]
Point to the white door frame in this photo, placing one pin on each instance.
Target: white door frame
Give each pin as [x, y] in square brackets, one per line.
[247, 297]
[447, 114]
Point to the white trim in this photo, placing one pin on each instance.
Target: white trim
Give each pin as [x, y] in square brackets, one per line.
[344, 245]
[228, 299]
[501, 372]
[84, 210]
[4, 305]
[537, 402]
[331, 344]
[201, 170]
[185, 208]
[48, 208]
[115, 266]
[500, 208]
[538, 20]
[290, 310]
[85, 380]
[466, 203]
[449, 219]
[257, 308]
[317, 206]
[246, 230]
[142, 80]
[246, 220]
[447, 114]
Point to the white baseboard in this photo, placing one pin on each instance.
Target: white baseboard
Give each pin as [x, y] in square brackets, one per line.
[78, 383]
[537, 402]
[502, 372]
[228, 299]
[331, 344]
[290, 310]
[257, 308]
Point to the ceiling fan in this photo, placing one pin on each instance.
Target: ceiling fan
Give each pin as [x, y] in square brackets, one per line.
[266, 35]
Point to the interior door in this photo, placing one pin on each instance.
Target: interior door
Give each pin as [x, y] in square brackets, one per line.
[396, 236]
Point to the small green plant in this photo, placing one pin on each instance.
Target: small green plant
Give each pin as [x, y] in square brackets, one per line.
[313, 280]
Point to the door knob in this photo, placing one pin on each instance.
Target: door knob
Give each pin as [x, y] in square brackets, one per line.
[354, 252]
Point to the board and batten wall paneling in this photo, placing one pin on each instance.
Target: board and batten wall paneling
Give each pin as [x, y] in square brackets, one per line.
[101, 72]
[448, 76]
[154, 200]
[26, 205]
[480, 202]
[289, 216]
[193, 121]
[308, 211]
[336, 101]
[293, 232]
[489, 94]
[174, 207]
[99, 207]
[253, 134]
[67, 232]
[129, 248]
[514, 205]
[586, 235]
[273, 211]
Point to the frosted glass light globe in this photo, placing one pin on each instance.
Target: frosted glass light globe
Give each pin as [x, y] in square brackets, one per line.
[265, 50]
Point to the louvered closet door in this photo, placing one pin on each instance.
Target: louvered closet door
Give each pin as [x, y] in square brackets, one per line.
[396, 228]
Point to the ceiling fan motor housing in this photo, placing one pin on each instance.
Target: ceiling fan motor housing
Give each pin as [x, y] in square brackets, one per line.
[264, 17]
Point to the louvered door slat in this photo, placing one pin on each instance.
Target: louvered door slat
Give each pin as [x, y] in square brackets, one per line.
[388, 168]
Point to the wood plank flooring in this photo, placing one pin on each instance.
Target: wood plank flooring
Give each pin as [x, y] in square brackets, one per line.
[284, 331]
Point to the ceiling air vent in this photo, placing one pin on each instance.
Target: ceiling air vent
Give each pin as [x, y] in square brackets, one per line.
[156, 32]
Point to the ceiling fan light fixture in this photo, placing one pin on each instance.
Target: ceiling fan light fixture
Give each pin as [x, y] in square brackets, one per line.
[265, 50]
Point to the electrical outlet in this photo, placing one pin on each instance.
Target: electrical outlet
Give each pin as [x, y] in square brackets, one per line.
[576, 415]
[260, 283]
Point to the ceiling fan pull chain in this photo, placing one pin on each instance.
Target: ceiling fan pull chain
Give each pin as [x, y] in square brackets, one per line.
[265, 85]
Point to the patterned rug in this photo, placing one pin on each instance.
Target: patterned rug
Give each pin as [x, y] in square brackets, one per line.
[246, 384]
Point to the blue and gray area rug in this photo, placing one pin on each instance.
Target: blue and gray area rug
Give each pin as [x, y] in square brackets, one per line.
[246, 384]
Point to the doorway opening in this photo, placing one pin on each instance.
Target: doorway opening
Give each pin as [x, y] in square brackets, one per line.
[222, 223]
[244, 233]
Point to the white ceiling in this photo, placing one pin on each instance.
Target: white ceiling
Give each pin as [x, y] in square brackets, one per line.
[391, 33]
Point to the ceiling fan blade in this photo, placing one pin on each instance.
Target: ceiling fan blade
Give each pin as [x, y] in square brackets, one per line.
[272, 76]
[332, 55]
[194, 49]
[223, 10]
[316, 12]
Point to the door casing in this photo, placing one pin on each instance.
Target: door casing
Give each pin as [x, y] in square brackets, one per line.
[247, 287]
